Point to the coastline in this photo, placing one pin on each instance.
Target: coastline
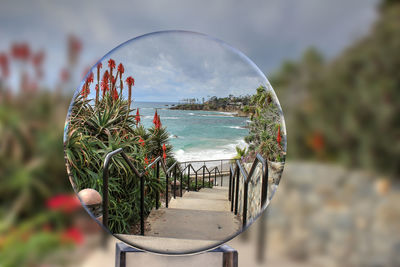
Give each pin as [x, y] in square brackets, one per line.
[237, 112]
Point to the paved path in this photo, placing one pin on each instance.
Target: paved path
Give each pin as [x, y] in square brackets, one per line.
[203, 215]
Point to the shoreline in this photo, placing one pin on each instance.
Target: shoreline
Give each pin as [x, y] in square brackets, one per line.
[234, 112]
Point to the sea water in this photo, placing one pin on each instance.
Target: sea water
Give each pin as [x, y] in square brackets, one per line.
[195, 134]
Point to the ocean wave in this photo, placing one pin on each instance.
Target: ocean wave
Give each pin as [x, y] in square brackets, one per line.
[223, 152]
[227, 113]
[235, 127]
[216, 115]
[191, 113]
[170, 118]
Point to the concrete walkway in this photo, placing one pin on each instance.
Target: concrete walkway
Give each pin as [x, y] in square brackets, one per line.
[195, 221]
[203, 215]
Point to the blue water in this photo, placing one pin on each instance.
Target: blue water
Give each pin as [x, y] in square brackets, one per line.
[197, 135]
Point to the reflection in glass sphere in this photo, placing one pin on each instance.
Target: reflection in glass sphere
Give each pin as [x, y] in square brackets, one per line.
[175, 141]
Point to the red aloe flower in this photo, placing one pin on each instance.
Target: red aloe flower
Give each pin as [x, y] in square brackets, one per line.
[130, 82]
[120, 69]
[21, 51]
[164, 148]
[72, 235]
[141, 141]
[158, 125]
[85, 90]
[37, 61]
[152, 160]
[111, 63]
[146, 160]
[155, 118]
[99, 66]
[278, 137]
[64, 75]
[90, 78]
[65, 203]
[137, 117]
[317, 142]
[104, 83]
[4, 65]
[115, 95]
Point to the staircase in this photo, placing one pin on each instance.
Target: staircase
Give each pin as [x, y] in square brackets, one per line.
[202, 215]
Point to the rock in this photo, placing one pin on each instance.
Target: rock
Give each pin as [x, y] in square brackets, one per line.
[90, 196]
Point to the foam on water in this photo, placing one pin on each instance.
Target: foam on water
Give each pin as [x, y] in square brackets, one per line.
[223, 152]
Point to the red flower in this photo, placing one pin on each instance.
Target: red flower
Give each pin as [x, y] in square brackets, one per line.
[164, 148]
[99, 66]
[65, 203]
[158, 125]
[37, 59]
[115, 95]
[97, 88]
[141, 141]
[121, 68]
[146, 160]
[85, 90]
[278, 137]
[90, 78]
[111, 64]
[4, 64]
[21, 51]
[137, 117]
[130, 81]
[152, 160]
[317, 142]
[155, 118]
[72, 235]
[64, 75]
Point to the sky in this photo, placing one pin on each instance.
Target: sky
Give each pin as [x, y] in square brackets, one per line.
[174, 65]
[268, 32]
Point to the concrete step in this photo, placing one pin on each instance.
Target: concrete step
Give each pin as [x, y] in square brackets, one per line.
[192, 224]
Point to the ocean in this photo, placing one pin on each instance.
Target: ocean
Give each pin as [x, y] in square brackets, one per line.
[197, 135]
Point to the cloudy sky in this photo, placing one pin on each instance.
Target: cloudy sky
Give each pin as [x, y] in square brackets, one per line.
[268, 32]
[172, 65]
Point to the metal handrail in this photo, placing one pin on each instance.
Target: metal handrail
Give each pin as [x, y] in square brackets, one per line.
[138, 174]
[175, 168]
[234, 189]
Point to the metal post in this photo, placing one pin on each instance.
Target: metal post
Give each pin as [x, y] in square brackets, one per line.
[237, 190]
[222, 178]
[188, 182]
[233, 192]
[204, 169]
[209, 178]
[181, 184]
[196, 182]
[264, 185]
[158, 180]
[230, 184]
[105, 197]
[166, 189]
[215, 176]
[246, 187]
[174, 181]
[142, 205]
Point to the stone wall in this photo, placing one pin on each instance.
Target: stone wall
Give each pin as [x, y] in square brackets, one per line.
[326, 215]
[255, 188]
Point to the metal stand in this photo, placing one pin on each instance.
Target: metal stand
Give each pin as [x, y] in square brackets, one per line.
[127, 256]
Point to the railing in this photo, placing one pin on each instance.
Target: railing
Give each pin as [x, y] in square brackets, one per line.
[109, 156]
[234, 188]
[175, 171]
